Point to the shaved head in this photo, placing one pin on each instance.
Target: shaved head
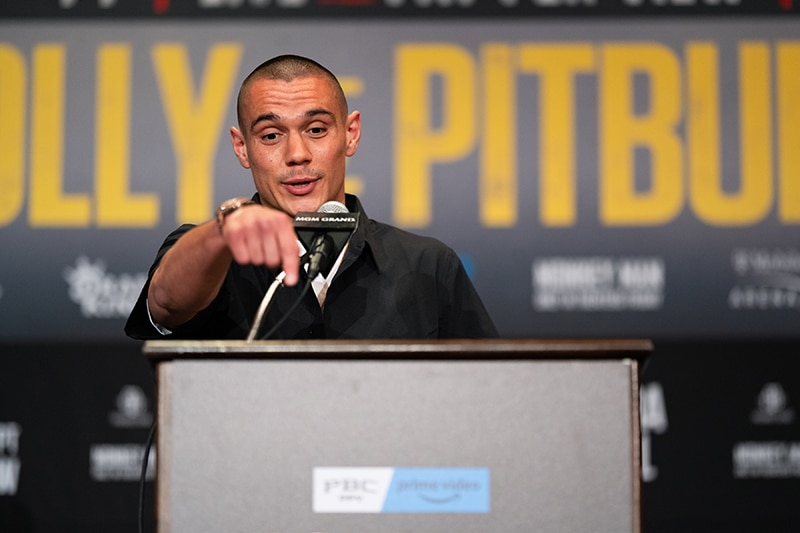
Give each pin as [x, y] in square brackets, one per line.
[287, 68]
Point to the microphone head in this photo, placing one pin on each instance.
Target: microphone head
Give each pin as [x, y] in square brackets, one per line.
[332, 222]
[332, 207]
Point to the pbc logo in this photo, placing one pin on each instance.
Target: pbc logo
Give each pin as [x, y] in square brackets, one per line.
[350, 488]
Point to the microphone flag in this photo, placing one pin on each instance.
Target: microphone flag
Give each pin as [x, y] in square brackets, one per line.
[332, 223]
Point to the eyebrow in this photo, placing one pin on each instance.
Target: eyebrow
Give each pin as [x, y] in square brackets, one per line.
[271, 117]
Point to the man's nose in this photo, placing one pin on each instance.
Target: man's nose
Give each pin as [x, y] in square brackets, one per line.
[298, 151]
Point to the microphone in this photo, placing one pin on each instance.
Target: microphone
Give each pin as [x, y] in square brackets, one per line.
[324, 234]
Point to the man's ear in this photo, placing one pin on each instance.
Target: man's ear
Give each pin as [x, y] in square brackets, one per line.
[239, 147]
[353, 132]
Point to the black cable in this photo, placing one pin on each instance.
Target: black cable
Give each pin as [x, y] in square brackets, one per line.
[289, 312]
[143, 476]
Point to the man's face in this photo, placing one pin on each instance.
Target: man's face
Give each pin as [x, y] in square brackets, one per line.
[295, 141]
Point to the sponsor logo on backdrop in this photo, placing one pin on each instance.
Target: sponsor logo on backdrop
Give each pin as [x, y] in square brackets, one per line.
[771, 407]
[598, 283]
[766, 460]
[131, 409]
[767, 279]
[400, 490]
[101, 294]
[123, 461]
[653, 410]
[119, 462]
[770, 459]
[9, 458]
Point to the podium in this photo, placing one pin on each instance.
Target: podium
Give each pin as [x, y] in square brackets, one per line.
[467, 436]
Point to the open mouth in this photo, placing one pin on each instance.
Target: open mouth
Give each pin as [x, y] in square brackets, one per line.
[301, 186]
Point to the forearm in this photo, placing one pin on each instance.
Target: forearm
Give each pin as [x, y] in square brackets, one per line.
[189, 276]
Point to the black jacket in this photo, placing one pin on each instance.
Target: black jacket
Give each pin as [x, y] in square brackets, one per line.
[391, 284]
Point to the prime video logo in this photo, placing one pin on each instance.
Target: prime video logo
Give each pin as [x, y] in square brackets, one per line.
[401, 490]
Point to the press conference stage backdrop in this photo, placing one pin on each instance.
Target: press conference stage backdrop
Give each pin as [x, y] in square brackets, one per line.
[625, 168]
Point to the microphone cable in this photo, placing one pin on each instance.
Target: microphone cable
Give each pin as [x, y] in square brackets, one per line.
[297, 301]
[142, 478]
[266, 302]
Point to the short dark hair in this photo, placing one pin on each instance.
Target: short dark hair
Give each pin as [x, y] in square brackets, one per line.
[288, 67]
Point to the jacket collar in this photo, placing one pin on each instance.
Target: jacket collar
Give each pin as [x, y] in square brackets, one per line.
[364, 240]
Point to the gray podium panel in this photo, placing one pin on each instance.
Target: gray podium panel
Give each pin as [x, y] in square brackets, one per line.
[359, 444]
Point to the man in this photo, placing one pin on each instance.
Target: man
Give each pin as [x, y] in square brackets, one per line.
[295, 133]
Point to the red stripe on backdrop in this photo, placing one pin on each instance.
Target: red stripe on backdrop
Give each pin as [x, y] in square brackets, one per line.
[160, 6]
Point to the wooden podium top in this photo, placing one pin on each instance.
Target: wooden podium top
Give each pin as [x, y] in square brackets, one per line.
[464, 349]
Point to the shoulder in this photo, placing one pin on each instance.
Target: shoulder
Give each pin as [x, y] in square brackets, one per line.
[397, 249]
[392, 235]
[391, 245]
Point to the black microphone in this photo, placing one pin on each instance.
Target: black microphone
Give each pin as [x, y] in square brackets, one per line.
[324, 234]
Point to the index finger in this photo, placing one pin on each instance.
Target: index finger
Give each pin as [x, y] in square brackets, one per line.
[290, 256]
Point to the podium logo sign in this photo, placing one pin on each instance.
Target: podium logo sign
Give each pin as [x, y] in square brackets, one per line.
[400, 490]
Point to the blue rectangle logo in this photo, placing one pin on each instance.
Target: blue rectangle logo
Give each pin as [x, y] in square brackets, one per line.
[438, 490]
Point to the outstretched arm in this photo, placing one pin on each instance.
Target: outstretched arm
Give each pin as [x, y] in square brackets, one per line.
[191, 273]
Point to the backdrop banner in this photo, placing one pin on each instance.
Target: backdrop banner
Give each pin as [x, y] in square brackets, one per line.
[597, 177]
